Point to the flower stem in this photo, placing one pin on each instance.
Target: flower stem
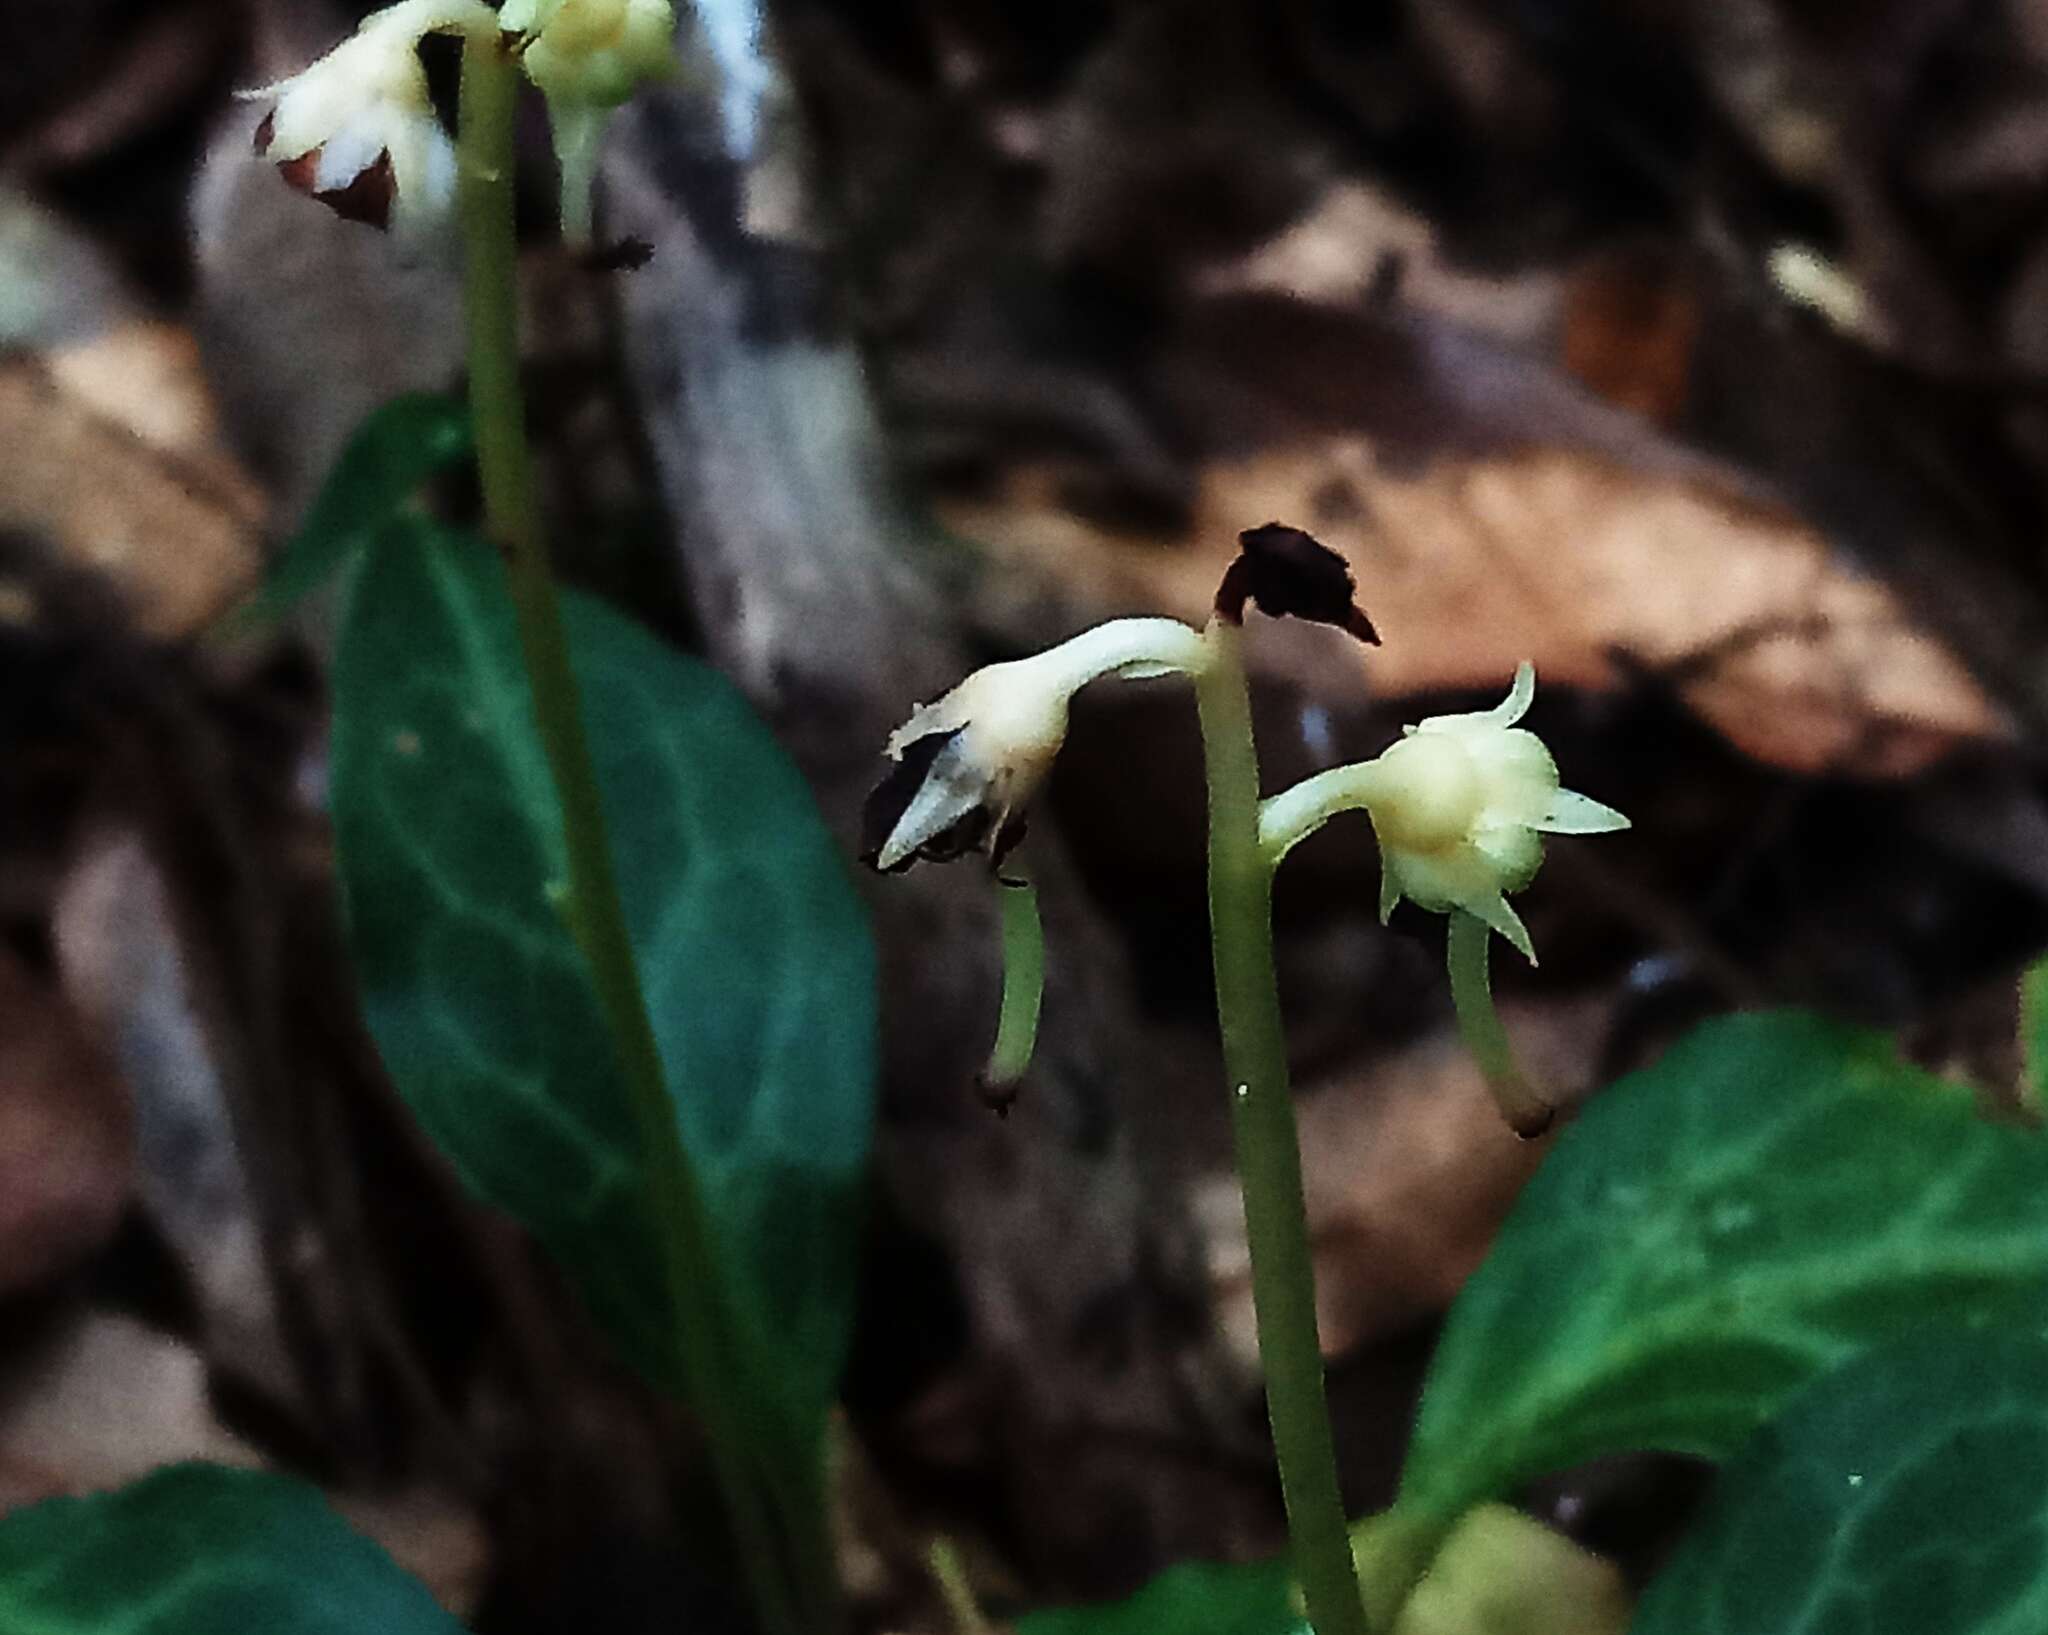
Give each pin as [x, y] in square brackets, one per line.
[1466, 946]
[1023, 986]
[1268, 1148]
[595, 911]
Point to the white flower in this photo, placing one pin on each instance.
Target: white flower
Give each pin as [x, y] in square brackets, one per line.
[357, 129]
[967, 764]
[593, 51]
[587, 57]
[1460, 806]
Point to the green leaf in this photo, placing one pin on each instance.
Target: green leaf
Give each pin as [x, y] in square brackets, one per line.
[1774, 1195]
[398, 447]
[1195, 1598]
[753, 949]
[196, 1550]
[1905, 1491]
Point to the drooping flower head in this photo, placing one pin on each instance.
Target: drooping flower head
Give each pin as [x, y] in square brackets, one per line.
[588, 57]
[357, 130]
[967, 763]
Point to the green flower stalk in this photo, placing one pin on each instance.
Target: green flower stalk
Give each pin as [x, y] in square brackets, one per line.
[358, 132]
[1023, 988]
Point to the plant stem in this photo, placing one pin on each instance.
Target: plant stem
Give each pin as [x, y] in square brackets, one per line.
[1023, 986]
[954, 1589]
[1268, 1148]
[595, 911]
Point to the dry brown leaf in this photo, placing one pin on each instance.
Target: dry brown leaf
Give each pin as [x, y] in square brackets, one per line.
[433, 1535]
[66, 1151]
[115, 457]
[1559, 556]
[104, 1402]
[106, 1399]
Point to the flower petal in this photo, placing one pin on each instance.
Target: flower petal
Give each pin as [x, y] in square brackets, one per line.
[1390, 887]
[1520, 696]
[1570, 813]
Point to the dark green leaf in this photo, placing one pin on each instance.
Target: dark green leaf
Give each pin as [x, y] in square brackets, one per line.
[396, 448]
[1906, 1491]
[1774, 1195]
[200, 1550]
[753, 947]
[1196, 1598]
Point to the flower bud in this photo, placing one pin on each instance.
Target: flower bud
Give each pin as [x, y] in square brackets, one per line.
[967, 764]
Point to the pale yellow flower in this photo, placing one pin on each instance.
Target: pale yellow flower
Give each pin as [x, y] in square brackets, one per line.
[1460, 806]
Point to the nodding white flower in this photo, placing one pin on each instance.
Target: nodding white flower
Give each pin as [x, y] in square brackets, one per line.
[357, 129]
[587, 57]
[594, 51]
[1460, 806]
[967, 764]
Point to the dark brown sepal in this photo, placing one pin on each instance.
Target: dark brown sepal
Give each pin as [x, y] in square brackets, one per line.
[1289, 574]
[367, 198]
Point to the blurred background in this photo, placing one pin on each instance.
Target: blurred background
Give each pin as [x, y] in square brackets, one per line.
[1695, 349]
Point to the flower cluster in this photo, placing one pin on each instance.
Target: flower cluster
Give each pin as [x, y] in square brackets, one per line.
[1459, 805]
[358, 131]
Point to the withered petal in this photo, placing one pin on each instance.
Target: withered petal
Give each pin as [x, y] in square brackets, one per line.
[1288, 573]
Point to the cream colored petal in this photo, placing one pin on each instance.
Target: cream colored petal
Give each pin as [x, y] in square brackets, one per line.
[1574, 814]
[1390, 888]
[945, 714]
[1520, 696]
[1518, 772]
